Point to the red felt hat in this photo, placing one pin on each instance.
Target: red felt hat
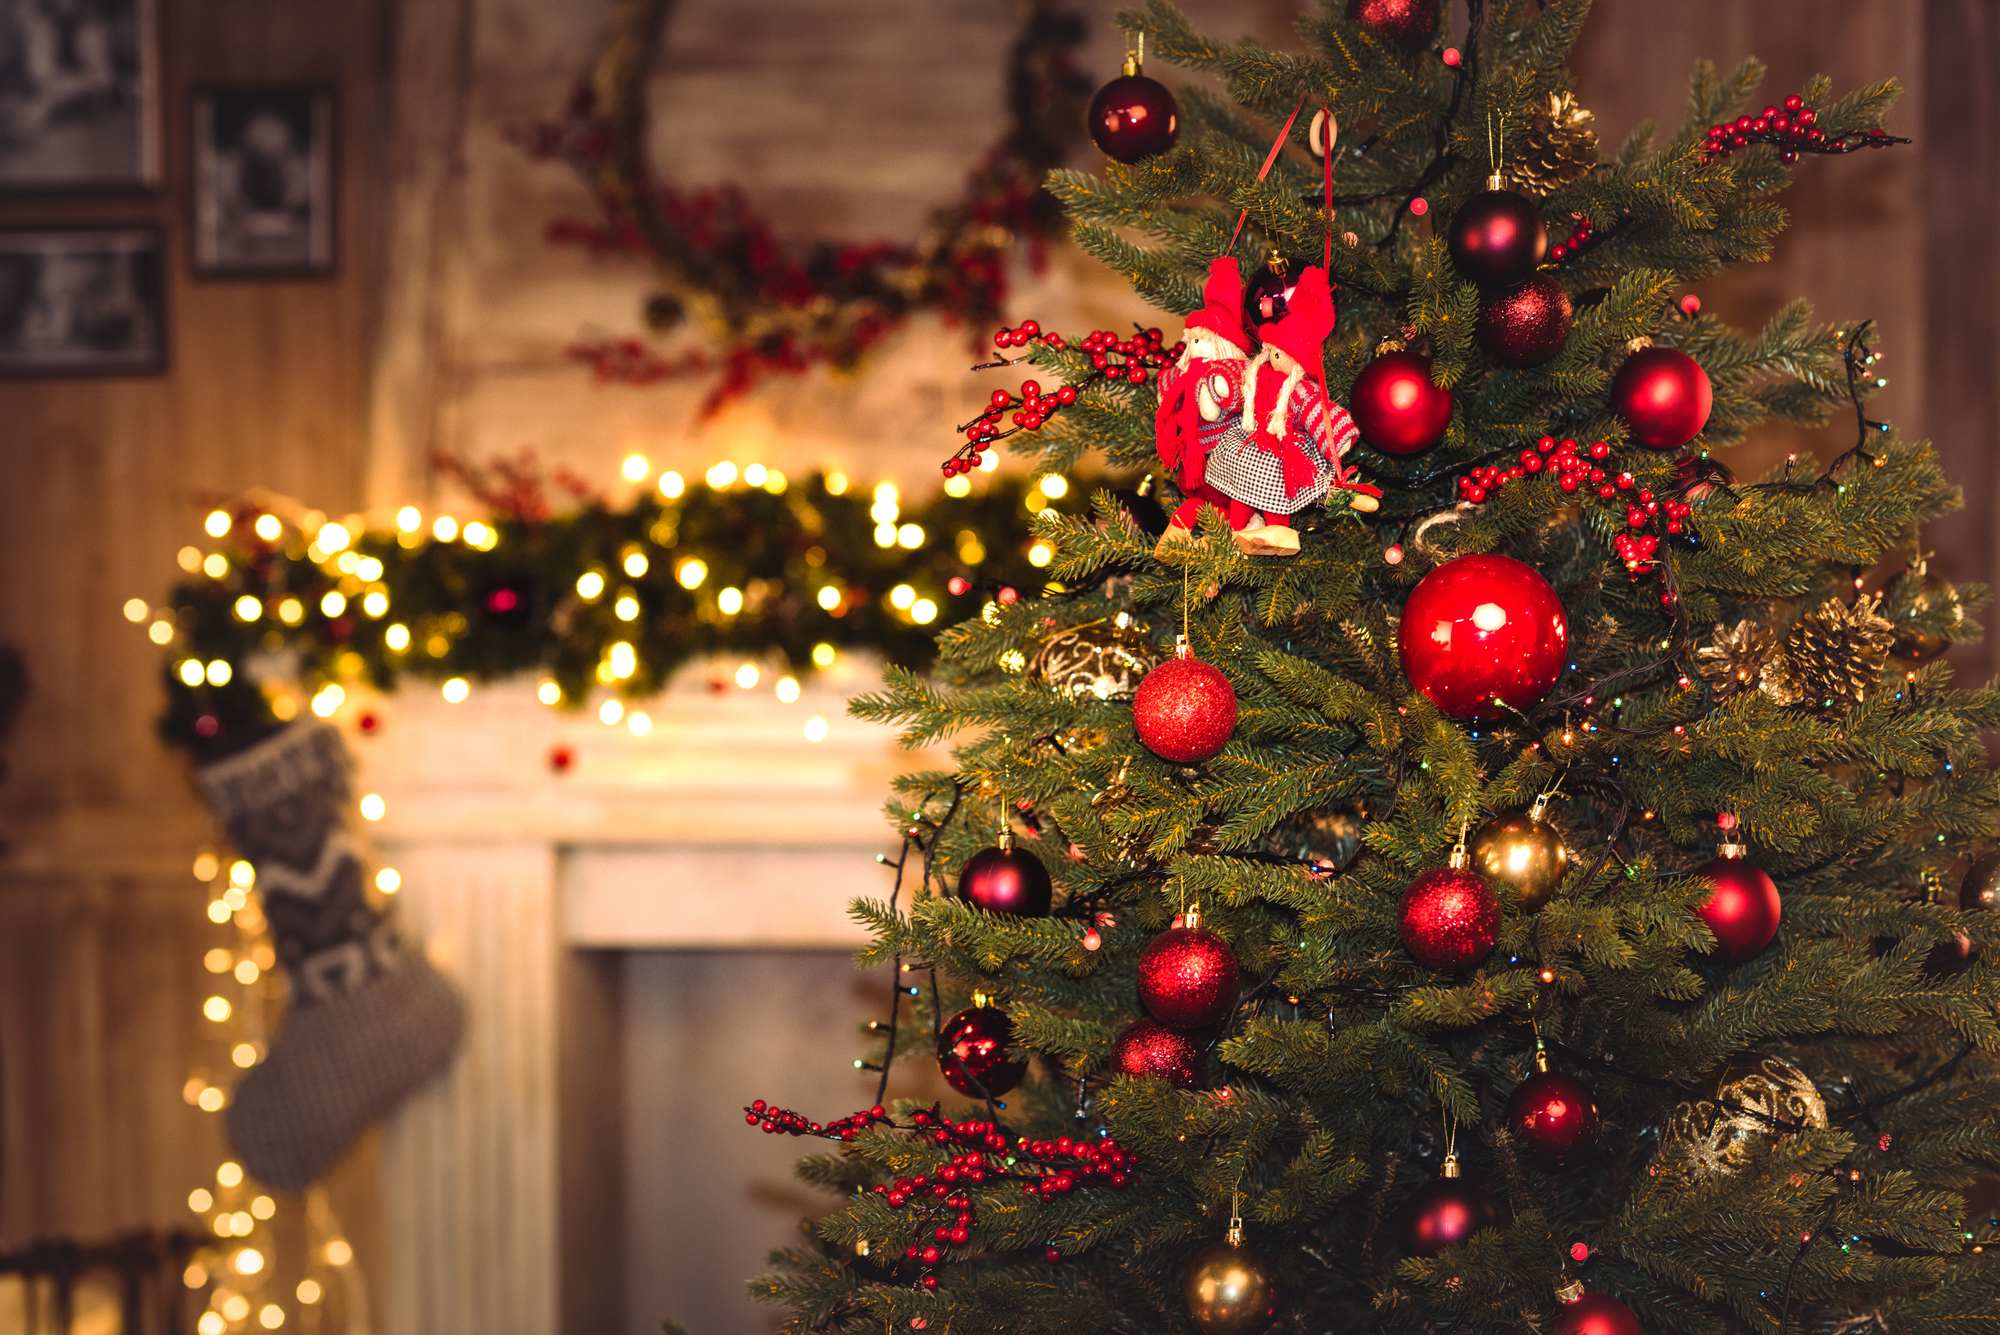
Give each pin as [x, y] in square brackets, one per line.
[1222, 303]
[1309, 320]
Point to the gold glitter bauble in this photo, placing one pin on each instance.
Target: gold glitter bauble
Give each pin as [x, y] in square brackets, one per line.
[1230, 1289]
[1522, 853]
[1753, 1093]
[1104, 660]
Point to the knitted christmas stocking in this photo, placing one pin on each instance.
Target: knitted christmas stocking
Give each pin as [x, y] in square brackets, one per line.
[367, 1018]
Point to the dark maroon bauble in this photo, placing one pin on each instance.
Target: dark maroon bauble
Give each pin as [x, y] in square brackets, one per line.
[1480, 627]
[1188, 978]
[1396, 407]
[1526, 324]
[1498, 237]
[1743, 912]
[1007, 880]
[1595, 1314]
[1554, 1115]
[1134, 117]
[1449, 918]
[1663, 396]
[1953, 955]
[972, 1053]
[1148, 1047]
[1445, 1214]
[1185, 711]
[1267, 298]
[1409, 24]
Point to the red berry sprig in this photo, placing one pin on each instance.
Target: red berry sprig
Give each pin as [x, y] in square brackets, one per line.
[1578, 239]
[1793, 129]
[1133, 360]
[943, 1214]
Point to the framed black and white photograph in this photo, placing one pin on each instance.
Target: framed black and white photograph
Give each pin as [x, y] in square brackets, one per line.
[263, 181]
[78, 107]
[82, 301]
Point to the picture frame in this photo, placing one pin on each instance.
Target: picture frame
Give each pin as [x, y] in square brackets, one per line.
[263, 181]
[78, 301]
[79, 104]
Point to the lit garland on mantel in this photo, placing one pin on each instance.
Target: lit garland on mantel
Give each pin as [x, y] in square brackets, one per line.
[286, 610]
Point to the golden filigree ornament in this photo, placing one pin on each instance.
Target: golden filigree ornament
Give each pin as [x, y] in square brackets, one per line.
[1754, 1100]
[1102, 660]
[1560, 148]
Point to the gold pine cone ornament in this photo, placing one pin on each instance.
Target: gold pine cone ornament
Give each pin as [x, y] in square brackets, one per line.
[1559, 149]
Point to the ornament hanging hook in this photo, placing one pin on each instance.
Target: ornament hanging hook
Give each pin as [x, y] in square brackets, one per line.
[1135, 52]
[1236, 1217]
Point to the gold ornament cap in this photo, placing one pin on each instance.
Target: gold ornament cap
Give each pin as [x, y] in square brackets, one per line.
[1570, 1292]
[1497, 181]
[1451, 1165]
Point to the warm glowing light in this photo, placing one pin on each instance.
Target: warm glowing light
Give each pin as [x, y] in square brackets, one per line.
[836, 484]
[248, 1261]
[248, 608]
[189, 559]
[242, 875]
[328, 700]
[263, 1207]
[218, 960]
[627, 607]
[788, 689]
[271, 1316]
[624, 660]
[135, 610]
[549, 693]
[269, 527]
[640, 724]
[754, 475]
[219, 673]
[902, 596]
[376, 603]
[672, 485]
[218, 523]
[160, 632]
[309, 1291]
[291, 611]
[722, 475]
[484, 537]
[244, 1054]
[333, 537]
[635, 564]
[1055, 485]
[334, 603]
[923, 611]
[348, 562]
[206, 867]
[199, 1200]
[237, 1307]
[409, 519]
[190, 672]
[216, 1009]
[211, 1100]
[910, 536]
[611, 711]
[456, 690]
[958, 485]
[368, 569]
[218, 911]
[885, 535]
[338, 1252]
[691, 573]
[229, 1173]
[774, 482]
[388, 880]
[397, 637]
[1039, 555]
[823, 655]
[284, 707]
[235, 898]
[989, 461]
[372, 806]
[215, 565]
[246, 972]
[636, 468]
[885, 510]
[829, 597]
[815, 729]
[211, 1323]
[589, 584]
[444, 528]
[746, 676]
[730, 601]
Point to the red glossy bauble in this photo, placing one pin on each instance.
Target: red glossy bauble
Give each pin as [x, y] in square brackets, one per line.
[1445, 1214]
[1554, 1115]
[1449, 918]
[1148, 1047]
[1267, 297]
[1409, 24]
[1744, 911]
[1188, 978]
[1396, 407]
[1185, 711]
[1595, 1314]
[972, 1053]
[1134, 117]
[1663, 396]
[1526, 324]
[1478, 627]
[1007, 880]
[1498, 237]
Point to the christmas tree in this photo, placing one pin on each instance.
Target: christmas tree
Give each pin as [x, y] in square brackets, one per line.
[1481, 866]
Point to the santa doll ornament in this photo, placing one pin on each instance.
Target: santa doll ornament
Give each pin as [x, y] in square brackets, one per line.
[1198, 389]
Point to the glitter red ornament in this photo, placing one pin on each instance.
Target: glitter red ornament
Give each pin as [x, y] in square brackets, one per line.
[1481, 627]
[1133, 117]
[1446, 1213]
[1526, 324]
[1409, 24]
[1498, 237]
[1554, 1115]
[1450, 916]
[1148, 1047]
[1595, 1314]
[1188, 977]
[972, 1053]
[1663, 396]
[1745, 909]
[1184, 710]
[1396, 407]
[1007, 880]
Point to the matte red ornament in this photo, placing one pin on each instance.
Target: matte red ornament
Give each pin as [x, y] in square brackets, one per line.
[1134, 117]
[1450, 916]
[1554, 1115]
[1480, 627]
[1596, 1314]
[1396, 407]
[1007, 880]
[1409, 24]
[1663, 396]
[1148, 1047]
[1188, 978]
[1446, 1213]
[1526, 324]
[1745, 909]
[1498, 237]
[972, 1053]
[1184, 710]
